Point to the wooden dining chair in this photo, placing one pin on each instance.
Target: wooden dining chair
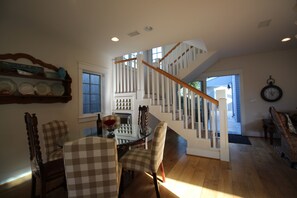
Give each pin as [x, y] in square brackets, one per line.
[45, 172]
[92, 168]
[148, 160]
[143, 113]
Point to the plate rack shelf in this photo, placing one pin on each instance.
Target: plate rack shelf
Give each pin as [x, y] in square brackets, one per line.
[26, 99]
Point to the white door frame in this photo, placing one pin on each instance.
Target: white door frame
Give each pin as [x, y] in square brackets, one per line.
[239, 72]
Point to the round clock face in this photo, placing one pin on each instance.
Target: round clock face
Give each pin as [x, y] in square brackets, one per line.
[271, 93]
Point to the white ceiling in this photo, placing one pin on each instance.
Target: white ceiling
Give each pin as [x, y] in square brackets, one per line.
[229, 26]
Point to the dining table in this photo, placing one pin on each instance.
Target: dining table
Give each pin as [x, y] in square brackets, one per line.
[126, 135]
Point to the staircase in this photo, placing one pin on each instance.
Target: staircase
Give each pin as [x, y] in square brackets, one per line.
[195, 116]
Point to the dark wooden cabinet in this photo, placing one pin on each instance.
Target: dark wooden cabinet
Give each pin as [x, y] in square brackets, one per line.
[41, 77]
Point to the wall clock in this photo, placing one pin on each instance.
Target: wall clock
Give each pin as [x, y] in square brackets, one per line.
[271, 92]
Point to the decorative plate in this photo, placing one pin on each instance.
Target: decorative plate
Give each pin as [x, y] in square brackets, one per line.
[57, 89]
[26, 88]
[42, 89]
[7, 86]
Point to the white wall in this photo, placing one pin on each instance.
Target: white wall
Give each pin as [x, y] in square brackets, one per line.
[14, 154]
[255, 70]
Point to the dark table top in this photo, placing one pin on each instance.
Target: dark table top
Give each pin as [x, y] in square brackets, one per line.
[126, 134]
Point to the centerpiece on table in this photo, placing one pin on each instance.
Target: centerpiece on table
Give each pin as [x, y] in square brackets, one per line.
[110, 123]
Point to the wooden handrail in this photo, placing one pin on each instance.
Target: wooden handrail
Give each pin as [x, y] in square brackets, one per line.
[169, 52]
[196, 91]
[181, 55]
[126, 60]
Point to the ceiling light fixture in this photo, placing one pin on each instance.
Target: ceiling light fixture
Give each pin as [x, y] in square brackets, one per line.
[286, 39]
[115, 39]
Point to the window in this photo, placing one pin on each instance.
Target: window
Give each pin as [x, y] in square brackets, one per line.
[91, 89]
[132, 55]
[156, 54]
[128, 56]
[91, 93]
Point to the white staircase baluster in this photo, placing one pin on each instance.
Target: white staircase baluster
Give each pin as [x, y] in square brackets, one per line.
[163, 97]
[179, 102]
[153, 85]
[199, 116]
[114, 69]
[192, 109]
[185, 107]
[121, 77]
[173, 101]
[205, 110]
[213, 129]
[148, 83]
[168, 95]
[135, 72]
[124, 77]
[131, 79]
[117, 78]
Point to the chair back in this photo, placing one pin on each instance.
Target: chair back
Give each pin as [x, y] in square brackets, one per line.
[53, 132]
[143, 112]
[158, 144]
[33, 141]
[91, 167]
[280, 121]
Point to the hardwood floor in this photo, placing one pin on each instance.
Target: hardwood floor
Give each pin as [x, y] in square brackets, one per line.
[255, 170]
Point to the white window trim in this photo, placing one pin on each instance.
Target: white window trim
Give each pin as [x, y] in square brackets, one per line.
[92, 68]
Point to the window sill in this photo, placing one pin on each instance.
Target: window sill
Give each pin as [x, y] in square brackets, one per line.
[87, 118]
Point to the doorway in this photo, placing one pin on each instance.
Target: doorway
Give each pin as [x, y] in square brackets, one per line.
[227, 87]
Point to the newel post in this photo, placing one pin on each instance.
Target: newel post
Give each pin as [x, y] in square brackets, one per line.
[140, 77]
[224, 154]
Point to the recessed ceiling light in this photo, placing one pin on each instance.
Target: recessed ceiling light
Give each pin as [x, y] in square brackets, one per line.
[115, 39]
[286, 39]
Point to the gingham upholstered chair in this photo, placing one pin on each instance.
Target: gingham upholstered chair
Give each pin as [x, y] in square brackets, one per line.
[92, 168]
[148, 160]
[45, 172]
[53, 133]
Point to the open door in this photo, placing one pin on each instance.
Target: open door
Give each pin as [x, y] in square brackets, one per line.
[227, 87]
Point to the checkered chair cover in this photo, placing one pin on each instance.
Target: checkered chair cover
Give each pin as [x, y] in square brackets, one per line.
[112, 117]
[92, 168]
[53, 132]
[148, 160]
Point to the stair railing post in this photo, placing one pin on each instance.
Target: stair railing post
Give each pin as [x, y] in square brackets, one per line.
[140, 77]
[224, 143]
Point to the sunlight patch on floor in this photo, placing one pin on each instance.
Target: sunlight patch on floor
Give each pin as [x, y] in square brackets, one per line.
[183, 189]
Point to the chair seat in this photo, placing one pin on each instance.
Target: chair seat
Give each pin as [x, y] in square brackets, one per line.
[137, 159]
[57, 154]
